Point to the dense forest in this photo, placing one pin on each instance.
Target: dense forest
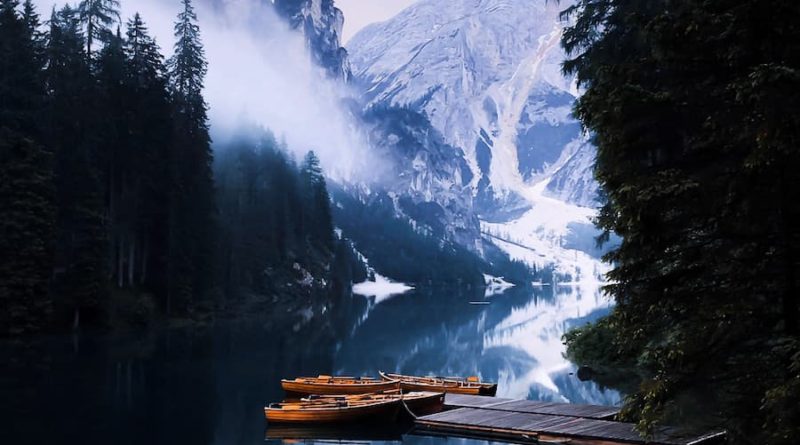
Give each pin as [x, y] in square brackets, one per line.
[693, 108]
[110, 210]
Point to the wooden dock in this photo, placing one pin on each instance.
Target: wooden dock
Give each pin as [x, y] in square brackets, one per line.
[453, 401]
[527, 421]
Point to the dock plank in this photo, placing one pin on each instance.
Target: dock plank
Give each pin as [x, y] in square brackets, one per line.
[531, 406]
[467, 401]
[524, 425]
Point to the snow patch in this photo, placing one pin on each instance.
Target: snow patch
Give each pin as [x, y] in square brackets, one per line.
[381, 288]
[495, 285]
[537, 237]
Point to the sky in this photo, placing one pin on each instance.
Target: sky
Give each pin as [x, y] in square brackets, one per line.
[360, 13]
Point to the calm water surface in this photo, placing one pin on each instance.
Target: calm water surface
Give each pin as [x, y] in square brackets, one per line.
[208, 386]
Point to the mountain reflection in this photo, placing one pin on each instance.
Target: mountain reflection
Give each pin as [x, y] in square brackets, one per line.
[515, 340]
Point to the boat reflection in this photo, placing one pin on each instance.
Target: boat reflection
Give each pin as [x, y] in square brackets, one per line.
[290, 434]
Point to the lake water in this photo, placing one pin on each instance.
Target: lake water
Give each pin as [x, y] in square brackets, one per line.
[208, 386]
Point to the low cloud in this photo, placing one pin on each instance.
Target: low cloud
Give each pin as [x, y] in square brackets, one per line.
[260, 72]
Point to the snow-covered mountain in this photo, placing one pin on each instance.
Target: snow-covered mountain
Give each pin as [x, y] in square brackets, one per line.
[487, 75]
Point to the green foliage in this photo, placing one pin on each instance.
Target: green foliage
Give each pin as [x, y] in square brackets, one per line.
[26, 234]
[782, 420]
[691, 106]
[594, 345]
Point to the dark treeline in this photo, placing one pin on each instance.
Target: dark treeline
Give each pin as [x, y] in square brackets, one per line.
[694, 109]
[106, 160]
[276, 227]
[109, 209]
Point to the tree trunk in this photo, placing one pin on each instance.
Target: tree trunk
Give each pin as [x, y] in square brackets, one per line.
[144, 254]
[89, 32]
[120, 262]
[790, 298]
[131, 260]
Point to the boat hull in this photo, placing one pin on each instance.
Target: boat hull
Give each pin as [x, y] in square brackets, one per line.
[311, 387]
[407, 383]
[380, 411]
[425, 403]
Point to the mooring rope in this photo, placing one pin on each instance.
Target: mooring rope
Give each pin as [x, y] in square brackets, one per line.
[408, 410]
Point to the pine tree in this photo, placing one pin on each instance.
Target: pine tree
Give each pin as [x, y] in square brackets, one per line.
[26, 234]
[81, 250]
[192, 196]
[188, 66]
[318, 219]
[32, 23]
[114, 156]
[26, 180]
[97, 16]
[134, 107]
[144, 64]
[21, 87]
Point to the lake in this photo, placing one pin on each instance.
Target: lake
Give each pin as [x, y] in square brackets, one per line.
[208, 386]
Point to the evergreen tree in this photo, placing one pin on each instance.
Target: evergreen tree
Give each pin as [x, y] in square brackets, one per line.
[81, 250]
[26, 234]
[188, 66]
[144, 62]
[97, 16]
[133, 79]
[21, 89]
[32, 23]
[26, 182]
[318, 220]
[192, 189]
[692, 107]
[115, 155]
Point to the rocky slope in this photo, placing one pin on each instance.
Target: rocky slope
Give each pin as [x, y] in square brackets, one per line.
[487, 74]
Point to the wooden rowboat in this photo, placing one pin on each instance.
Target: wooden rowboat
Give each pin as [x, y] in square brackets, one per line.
[420, 403]
[337, 385]
[326, 411]
[457, 385]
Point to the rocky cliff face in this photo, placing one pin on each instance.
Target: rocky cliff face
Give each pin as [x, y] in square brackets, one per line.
[430, 181]
[487, 74]
[321, 23]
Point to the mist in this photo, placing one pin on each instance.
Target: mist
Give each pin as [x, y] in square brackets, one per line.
[261, 73]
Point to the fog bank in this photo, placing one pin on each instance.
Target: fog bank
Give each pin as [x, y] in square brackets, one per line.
[260, 72]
